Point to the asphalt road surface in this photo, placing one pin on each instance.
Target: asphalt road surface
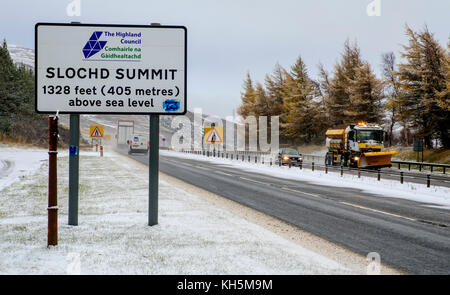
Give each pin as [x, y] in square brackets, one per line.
[408, 235]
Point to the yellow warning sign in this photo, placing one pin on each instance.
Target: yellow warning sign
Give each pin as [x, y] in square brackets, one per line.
[96, 131]
[213, 135]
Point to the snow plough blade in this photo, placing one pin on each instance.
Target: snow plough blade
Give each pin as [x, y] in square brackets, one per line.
[376, 159]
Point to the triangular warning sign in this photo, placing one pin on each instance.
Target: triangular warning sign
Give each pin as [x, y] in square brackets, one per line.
[96, 133]
[214, 137]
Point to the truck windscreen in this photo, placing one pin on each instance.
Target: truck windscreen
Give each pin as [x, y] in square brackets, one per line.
[365, 135]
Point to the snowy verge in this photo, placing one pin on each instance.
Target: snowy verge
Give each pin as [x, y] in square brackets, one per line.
[433, 196]
[193, 236]
[16, 163]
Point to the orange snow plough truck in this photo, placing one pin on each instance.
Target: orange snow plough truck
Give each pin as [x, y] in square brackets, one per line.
[358, 145]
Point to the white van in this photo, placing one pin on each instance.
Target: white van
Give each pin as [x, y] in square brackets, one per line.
[138, 143]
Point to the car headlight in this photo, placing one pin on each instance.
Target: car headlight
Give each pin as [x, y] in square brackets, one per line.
[356, 158]
[285, 158]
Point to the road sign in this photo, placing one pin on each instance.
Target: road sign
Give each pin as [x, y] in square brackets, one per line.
[418, 146]
[96, 131]
[213, 135]
[82, 68]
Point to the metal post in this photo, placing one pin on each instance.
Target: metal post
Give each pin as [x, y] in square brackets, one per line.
[401, 177]
[379, 175]
[428, 180]
[153, 171]
[312, 166]
[342, 170]
[74, 144]
[326, 169]
[74, 166]
[52, 234]
[359, 172]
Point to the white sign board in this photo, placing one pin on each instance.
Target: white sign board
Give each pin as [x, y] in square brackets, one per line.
[118, 69]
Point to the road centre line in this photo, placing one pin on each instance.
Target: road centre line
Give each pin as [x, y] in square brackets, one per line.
[300, 192]
[256, 181]
[377, 211]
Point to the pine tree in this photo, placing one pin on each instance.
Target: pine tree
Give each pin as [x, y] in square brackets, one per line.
[274, 84]
[263, 104]
[16, 93]
[248, 98]
[338, 100]
[8, 86]
[423, 80]
[365, 96]
[301, 110]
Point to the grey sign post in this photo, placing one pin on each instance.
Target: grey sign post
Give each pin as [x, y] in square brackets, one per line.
[153, 170]
[74, 147]
[153, 167]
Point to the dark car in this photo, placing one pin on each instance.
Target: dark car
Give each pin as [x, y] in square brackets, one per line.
[289, 155]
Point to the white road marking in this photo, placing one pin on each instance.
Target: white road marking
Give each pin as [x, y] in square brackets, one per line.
[227, 174]
[300, 192]
[252, 180]
[377, 211]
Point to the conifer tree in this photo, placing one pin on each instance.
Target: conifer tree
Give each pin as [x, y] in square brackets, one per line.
[423, 80]
[365, 96]
[248, 98]
[338, 101]
[301, 110]
[274, 84]
[8, 97]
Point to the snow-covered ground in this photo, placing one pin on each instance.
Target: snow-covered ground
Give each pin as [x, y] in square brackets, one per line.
[433, 196]
[16, 163]
[194, 236]
[21, 55]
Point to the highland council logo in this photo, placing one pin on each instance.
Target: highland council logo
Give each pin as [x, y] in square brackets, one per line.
[93, 45]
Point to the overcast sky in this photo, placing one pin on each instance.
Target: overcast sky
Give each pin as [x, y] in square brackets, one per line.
[227, 38]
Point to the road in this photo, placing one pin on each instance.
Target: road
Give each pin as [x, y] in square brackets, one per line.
[406, 234]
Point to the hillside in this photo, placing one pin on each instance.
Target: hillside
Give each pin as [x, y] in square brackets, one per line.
[19, 123]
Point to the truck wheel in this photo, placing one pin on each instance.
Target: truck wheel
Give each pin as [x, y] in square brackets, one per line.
[329, 159]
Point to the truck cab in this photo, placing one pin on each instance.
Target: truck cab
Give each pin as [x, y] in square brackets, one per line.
[358, 145]
[138, 143]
